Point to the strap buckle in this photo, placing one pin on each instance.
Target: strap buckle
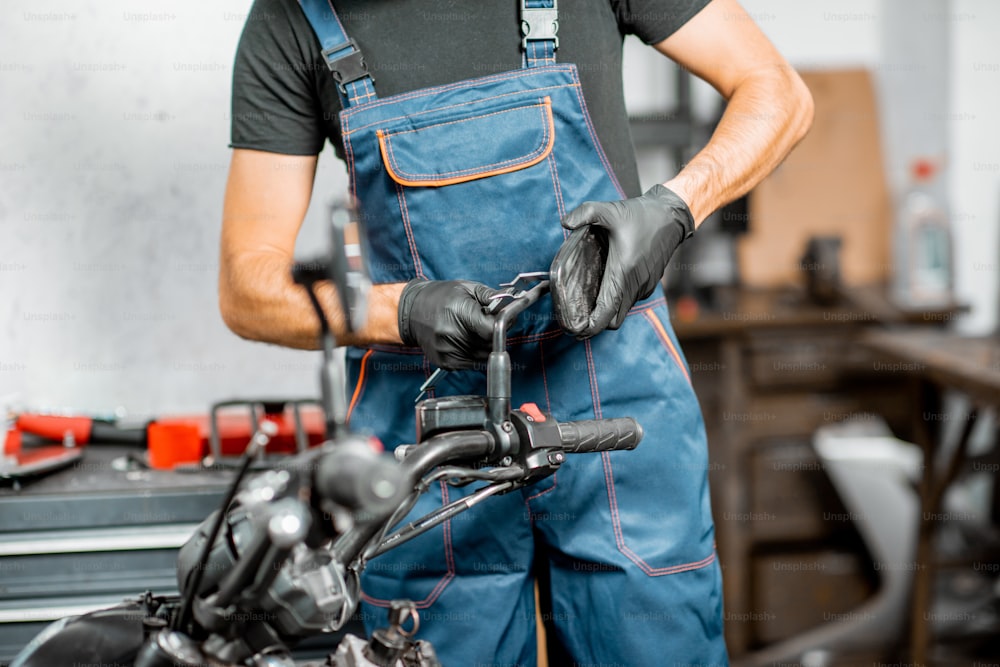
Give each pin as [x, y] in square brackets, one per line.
[347, 68]
[538, 24]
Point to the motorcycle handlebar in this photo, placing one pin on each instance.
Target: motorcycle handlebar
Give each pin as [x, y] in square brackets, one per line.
[600, 435]
[440, 449]
[359, 475]
[354, 476]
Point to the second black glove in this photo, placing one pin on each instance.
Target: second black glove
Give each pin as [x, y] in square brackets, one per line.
[638, 235]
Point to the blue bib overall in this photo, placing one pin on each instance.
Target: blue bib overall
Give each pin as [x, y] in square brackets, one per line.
[469, 181]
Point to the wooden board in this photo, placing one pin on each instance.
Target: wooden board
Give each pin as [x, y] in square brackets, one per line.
[833, 183]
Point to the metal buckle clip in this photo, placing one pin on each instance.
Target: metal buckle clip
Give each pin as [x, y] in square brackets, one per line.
[539, 24]
[347, 68]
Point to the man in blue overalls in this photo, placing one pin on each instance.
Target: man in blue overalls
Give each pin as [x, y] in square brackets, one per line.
[473, 156]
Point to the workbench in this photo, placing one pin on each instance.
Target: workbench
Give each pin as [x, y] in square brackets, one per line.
[92, 534]
[770, 367]
[941, 362]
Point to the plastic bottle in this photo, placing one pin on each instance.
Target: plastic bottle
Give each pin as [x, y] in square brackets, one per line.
[922, 245]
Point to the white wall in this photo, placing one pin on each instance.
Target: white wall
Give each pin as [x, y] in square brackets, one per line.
[974, 137]
[113, 160]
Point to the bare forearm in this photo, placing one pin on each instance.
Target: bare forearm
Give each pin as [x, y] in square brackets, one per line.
[766, 116]
[259, 301]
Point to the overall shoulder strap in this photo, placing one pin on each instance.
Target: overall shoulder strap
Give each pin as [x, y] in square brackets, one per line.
[342, 55]
[539, 25]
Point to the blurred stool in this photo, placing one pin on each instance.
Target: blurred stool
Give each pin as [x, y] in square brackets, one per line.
[874, 475]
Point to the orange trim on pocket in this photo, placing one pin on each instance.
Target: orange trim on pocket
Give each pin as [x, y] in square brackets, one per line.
[665, 339]
[387, 162]
[360, 385]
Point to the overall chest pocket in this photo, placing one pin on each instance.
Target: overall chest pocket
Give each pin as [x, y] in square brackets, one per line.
[476, 190]
[466, 149]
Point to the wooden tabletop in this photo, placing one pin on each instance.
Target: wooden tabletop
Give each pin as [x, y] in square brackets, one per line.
[741, 310]
[969, 364]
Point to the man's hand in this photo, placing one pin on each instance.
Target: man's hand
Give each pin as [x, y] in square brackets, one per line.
[642, 234]
[446, 319]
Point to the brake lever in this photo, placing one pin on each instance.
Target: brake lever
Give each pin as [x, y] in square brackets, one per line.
[513, 290]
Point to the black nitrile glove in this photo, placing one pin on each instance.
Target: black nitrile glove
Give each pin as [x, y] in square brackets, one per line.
[635, 238]
[446, 319]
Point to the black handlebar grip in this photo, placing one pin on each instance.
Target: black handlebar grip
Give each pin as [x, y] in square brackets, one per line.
[356, 477]
[600, 435]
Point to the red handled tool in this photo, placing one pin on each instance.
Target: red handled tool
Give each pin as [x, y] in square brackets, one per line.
[81, 430]
[172, 441]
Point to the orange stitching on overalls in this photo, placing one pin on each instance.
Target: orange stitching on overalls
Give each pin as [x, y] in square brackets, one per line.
[595, 394]
[536, 59]
[455, 106]
[649, 305]
[545, 380]
[533, 338]
[528, 160]
[407, 97]
[555, 480]
[416, 94]
[597, 143]
[523, 162]
[548, 408]
[357, 96]
[449, 559]
[496, 78]
[546, 101]
[349, 154]
[351, 97]
[661, 333]
[359, 387]
[609, 485]
[336, 18]
[353, 92]
[560, 204]
[649, 570]
[529, 338]
[410, 237]
[671, 569]
[449, 554]
[616, 524]
[534, 56]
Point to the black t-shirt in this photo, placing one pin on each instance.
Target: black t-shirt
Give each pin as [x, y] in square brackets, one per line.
[285, 99]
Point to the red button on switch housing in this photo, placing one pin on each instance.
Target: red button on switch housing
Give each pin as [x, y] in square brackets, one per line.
[532, 411]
